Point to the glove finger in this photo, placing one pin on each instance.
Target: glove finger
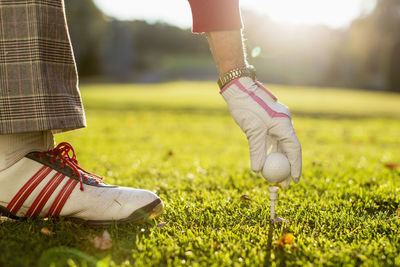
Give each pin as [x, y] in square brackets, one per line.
[280, 149]
[258, 148]
[292, 149]
[290, 146]
[272, 144]
[286, 183]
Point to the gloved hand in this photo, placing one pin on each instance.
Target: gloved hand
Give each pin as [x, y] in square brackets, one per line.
[266, 123]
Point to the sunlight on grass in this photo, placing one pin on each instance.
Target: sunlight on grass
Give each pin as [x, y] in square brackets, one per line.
[178, 140]
[204, 96]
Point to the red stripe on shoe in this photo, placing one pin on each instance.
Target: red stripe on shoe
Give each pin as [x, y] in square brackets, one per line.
[44, 195]
[27, 189]
[60, 197]
[22, 190]
[65, 198]
[48, 195]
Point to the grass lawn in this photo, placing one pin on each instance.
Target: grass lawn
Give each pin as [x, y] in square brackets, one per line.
[178, 140]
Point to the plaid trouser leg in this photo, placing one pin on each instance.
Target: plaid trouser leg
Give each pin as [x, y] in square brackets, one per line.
[38, 78]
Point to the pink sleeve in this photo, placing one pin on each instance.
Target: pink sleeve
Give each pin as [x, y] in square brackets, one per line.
[215, 15]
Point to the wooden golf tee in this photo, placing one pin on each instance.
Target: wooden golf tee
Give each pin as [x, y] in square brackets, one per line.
[273, 196]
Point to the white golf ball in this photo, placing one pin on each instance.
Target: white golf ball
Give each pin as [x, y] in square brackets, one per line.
[276, 168]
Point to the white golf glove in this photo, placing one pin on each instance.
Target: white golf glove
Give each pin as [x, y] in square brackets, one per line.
[266, 123]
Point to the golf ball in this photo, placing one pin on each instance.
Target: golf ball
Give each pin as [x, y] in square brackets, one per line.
[276, 168]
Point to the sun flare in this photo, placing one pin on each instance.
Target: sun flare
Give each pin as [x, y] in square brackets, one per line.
[335, 13]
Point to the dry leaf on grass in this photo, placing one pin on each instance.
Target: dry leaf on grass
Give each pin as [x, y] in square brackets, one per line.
[103, 242]
[161, 225]
[4, 219]
[392, 166]
[46, 231]
[286, 239]
[245, 197]
[189, 253]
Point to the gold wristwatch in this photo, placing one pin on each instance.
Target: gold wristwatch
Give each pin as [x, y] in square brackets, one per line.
[247, 71]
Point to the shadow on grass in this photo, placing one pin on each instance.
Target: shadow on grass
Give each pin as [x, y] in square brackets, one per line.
[280, 255]
[59, 256]
[267, 258]
[64, 243]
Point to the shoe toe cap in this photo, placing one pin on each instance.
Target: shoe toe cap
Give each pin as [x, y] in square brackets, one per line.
[142, 201]
[140, 197]
[104, 205]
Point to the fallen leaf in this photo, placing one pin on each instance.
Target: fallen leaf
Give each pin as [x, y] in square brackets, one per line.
[286, 239]
[103, 242]
[361, 256]
[46, 231]
[245, 197]
[215, 245]
[4, 219]
[161, 225]
[189, 253]
[392, 166]
[398, 211]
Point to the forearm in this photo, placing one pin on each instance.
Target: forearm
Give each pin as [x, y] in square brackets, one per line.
[227, 49]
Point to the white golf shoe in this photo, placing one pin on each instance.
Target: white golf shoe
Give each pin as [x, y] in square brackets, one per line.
[51, 184]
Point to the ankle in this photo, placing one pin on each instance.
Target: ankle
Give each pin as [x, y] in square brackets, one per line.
[14, 147]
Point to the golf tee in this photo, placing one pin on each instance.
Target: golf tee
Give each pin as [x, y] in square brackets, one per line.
[273, 196]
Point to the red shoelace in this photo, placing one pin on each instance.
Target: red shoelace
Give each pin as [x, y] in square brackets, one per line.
[62, 154]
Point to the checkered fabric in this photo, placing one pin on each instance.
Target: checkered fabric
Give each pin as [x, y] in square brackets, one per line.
[38, 77]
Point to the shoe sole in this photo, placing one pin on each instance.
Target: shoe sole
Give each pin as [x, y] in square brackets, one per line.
[141, 215]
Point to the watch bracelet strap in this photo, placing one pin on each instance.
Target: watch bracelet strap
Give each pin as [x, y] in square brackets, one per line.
[248, 71]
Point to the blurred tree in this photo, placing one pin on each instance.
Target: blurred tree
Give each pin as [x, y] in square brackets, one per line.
[394, 73]
[154, 41]
[117, 53]
[86, 25]
[373, 44]
[125, 50]
[365, 55]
